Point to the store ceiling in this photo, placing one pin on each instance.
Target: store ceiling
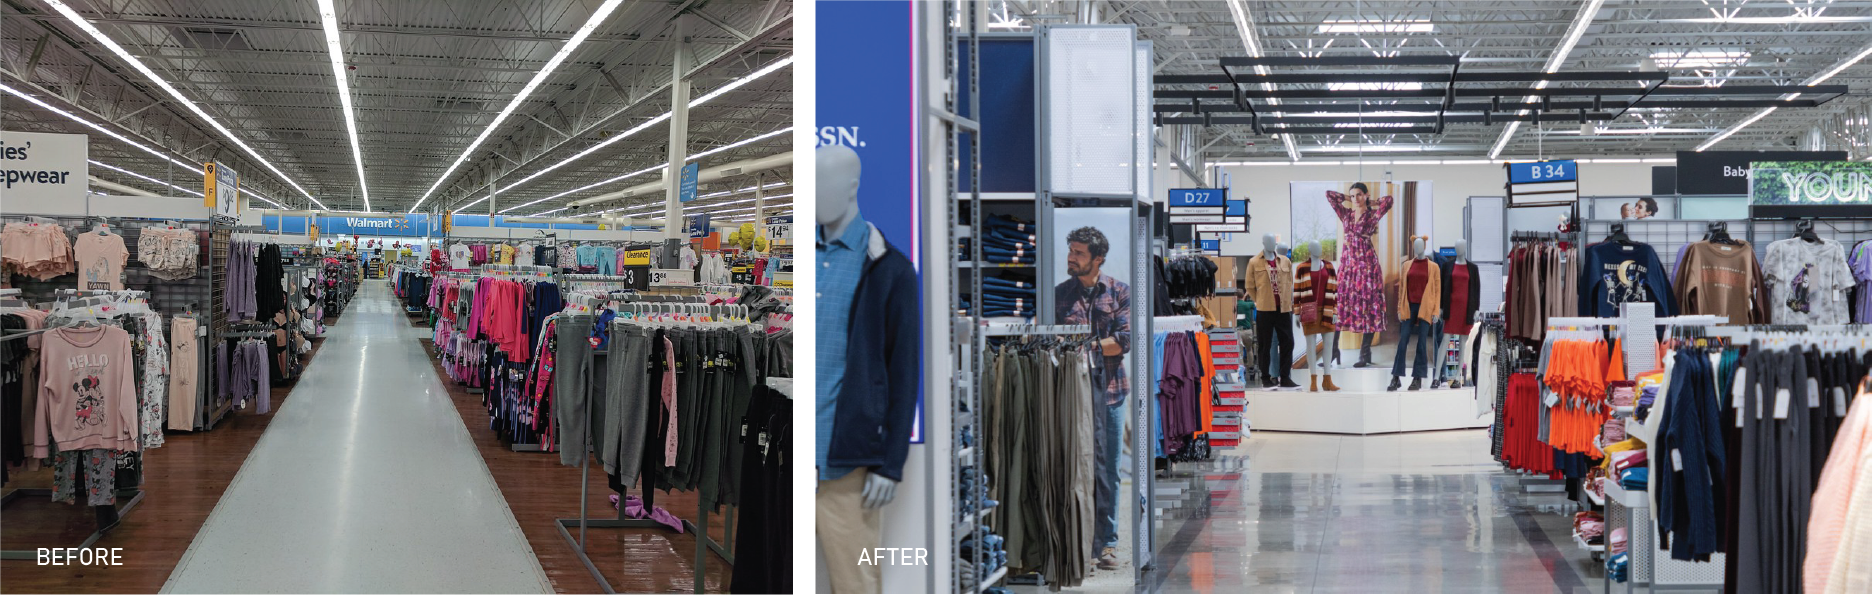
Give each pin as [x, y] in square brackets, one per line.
[426, 78]
[1697, 42]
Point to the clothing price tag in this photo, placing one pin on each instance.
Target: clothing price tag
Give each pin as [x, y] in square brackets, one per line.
[1549, 398]
[1814, 393]
[201, 330]
[1677, 460]
[1782, 399]
[1840, 402]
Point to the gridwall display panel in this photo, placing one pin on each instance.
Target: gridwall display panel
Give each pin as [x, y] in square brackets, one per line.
[1847, 231]
[166, 297]
[1665, 236]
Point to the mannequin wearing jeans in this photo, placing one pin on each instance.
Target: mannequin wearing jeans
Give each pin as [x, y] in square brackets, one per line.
[1419, 299]
[1316, 289]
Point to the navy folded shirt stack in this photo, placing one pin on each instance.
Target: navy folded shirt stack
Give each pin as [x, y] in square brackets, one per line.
[1006, 294]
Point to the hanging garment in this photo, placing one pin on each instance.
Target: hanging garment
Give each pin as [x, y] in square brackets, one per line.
[1808, 282]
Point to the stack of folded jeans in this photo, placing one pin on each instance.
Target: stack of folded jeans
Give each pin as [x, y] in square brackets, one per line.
[1005, 240]
[1006, 294]
[994, 553]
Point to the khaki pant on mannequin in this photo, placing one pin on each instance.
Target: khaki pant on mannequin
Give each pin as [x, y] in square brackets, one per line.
[847, 530]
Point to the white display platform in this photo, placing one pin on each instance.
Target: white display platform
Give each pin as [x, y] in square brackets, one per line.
[1362, 406]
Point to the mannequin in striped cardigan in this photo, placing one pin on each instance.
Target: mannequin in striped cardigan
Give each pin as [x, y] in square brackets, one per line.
[1316, 292]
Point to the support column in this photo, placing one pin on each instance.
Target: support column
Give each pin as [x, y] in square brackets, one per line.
[760, 199]
[490, 198]
[673, 236]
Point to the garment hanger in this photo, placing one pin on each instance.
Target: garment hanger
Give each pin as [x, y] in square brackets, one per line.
[1720, 233]
[1618, 235]
[1804, 230]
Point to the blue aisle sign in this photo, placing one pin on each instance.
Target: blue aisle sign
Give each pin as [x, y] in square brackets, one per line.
[686, 182]
[1543, 172]
[1197, 198]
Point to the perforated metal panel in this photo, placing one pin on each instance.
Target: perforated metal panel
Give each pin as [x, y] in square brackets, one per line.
[1847, 231]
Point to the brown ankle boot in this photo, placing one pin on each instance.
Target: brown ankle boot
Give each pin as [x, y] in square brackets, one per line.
[1313, 383]
[1329, 383]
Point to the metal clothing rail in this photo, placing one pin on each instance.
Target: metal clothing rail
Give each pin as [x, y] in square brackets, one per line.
[704, 544]
[997, 329]
[108, 517]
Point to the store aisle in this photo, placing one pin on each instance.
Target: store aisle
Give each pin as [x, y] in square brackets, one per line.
[365, 482]
[1404, 513]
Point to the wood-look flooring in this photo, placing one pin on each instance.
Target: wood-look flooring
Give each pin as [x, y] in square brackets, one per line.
[182, 481]
[538, 490]
[185, 478]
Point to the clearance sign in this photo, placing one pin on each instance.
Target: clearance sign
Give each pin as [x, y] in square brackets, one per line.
[638, 257]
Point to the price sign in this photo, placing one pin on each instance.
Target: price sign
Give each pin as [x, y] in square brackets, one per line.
[672, 276]
[636, 277]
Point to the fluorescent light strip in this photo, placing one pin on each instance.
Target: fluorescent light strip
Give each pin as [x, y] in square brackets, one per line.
[616, 179]
[1816, 80]
[652, 122]
[1574, 31]
[146, 178]
[1245, 28]
[197, 169]
[191, 167]
[703, 209]
[578, 37]
[81, 23]
[329, 15]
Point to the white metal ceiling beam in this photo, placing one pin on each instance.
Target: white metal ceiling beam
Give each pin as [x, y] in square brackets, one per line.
[1245, 28]
[79, 21]
[578, 37]
[1815, 80]
[328, 15]
[1582, 20]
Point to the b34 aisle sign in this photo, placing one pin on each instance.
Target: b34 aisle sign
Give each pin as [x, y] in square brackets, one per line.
[1551, 183]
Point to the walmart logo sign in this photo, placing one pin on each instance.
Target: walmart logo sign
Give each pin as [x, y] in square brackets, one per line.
[840, 136]
[378, 223]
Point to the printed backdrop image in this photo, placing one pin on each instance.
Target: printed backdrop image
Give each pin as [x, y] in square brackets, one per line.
[1632, 208]
[1372, 221]
[1106, 306]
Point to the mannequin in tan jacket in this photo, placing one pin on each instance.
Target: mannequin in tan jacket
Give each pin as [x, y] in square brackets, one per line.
[1419, 299]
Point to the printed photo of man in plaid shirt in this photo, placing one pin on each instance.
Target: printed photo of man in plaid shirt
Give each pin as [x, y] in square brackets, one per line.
[1090, 297]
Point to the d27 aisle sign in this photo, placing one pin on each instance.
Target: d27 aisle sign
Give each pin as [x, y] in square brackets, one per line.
[1810, 189]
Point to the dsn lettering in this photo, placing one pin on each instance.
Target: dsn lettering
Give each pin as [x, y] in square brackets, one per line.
[1847, 187]
[840, 136]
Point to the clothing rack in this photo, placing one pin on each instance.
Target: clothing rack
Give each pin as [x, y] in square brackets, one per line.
[704, 544]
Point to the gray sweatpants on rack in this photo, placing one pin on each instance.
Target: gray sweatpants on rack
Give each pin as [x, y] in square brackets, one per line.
[572, 387]
[626, 391]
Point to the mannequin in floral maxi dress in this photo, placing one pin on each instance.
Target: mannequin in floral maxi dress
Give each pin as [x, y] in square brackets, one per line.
[1362, 300]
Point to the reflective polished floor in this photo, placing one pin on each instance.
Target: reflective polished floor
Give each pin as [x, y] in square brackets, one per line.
[1402, 513]
[365, 482]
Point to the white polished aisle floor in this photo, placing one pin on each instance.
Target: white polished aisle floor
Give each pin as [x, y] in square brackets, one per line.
[365, 482]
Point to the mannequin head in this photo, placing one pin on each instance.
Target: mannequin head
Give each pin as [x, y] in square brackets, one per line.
[836, 199]
[1268, 245]
[1463, 251]
[1418, 245]
[1313, 252]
